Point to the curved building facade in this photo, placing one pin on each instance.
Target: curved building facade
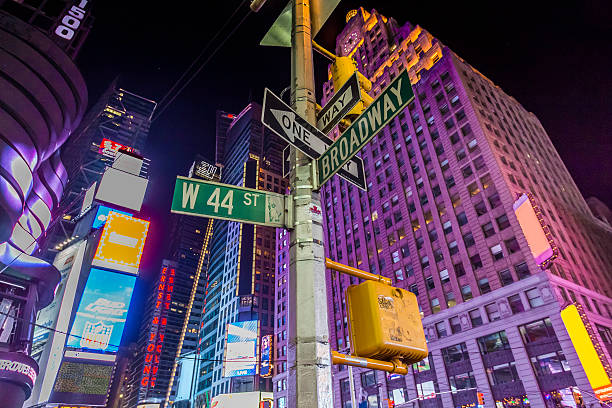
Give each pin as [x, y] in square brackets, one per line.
[42, 99]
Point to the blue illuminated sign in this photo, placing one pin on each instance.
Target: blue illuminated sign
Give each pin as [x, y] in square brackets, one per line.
[100, 318]
[241, 353]
[102, 215]
[266, 350]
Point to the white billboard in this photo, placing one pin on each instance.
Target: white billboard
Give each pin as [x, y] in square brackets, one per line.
[122, 189]
[241, 349]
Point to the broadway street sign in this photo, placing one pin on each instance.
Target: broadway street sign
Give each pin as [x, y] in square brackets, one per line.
[215, 200]
[339, 105]
[384, 108]
[294, 129]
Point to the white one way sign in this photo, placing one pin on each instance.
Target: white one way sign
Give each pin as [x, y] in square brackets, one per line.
[291, 127]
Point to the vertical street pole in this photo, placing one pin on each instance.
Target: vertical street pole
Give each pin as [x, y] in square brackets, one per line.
[309, 360]
[352, 386]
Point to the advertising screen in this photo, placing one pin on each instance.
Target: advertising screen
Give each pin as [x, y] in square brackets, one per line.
[241, 349]
[588, 355]
[101, 315]
[536, 232]
[121, 243]
[266, 351]
[102, 215]
[82, 382]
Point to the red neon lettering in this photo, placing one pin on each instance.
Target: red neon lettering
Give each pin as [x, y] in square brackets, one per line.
[155, 320]
[155, 370]
[158, 349]
[156, 359]
[152, 337]
[160, 287]
[146, 369]
[150, 347]
[164, 321]
[163, 278]
[145, 381]
[172, 272]
[167, 305]
[148, 358]
[168, 296]
[161, 337]
[157, 304]
[153, 379]
[170, 288]
[171, 279]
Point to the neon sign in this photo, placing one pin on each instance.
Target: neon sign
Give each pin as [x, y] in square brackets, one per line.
[157, 331]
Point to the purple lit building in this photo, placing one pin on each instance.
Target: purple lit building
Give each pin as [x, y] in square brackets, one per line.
[438, 219]
[42, 100]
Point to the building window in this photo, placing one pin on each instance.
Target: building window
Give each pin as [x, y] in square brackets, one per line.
[502, 222]
[463, 381]
[459, 269]
[441, 329]
[516, 304]
[488, 230]
[483, 286]
[421, 366]
[399, 276]
[503, 373]
[430, 283]
[466, 293]
[505, 277]
[538, 330]
[469, 240]
[605, 333]
[455, 324]
[368, 379]
[435, 305]
[475, 318]
[476, 262]
[493, 342]
[534, 298]
[456, 353]
[492, 312]
[444, 278]
[496, 252]
[512, 245]
[550, 363]
[522, 270]
[450, 299]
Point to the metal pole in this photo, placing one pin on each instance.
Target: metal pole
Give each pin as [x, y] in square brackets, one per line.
[309, 353]
[352, 386]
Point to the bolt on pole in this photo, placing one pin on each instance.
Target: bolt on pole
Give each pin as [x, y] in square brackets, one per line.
[309, 360]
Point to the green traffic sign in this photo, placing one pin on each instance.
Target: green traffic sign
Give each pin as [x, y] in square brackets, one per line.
[215, 200]
[384, 108]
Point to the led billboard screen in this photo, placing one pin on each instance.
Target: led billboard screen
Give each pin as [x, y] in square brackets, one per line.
[241, 349]
[536, 232]
[101, 315]
[102, 215]
[121, 243]
[588, 355]
[266, 351]
[82, 382]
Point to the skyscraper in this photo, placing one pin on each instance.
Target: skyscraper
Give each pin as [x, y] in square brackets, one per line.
[438, 219]
[241, 268]
[119, 119]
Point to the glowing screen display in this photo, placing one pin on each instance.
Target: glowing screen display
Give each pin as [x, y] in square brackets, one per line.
[241, 349]
[122, 242]
[266, 351]
[100, 318]
[536, 232]
[102, 215]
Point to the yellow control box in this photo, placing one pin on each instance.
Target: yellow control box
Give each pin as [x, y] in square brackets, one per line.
[385, 323]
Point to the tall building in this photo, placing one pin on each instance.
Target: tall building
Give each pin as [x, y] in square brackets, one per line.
[241, 267]
[42, 100]
[438, 219]
[119, 119]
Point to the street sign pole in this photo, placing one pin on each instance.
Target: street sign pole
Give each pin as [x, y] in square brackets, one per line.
[309, 360]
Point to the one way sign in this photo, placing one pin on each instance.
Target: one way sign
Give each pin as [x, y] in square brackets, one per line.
[291, 127]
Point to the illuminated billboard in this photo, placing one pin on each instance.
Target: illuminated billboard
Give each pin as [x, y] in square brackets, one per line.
[82, 382]
[588, 350]
[241, 349]
[536, 232]
[266, 352]
[121, 243]
[101, 315]
[109, 147]
[102, 215]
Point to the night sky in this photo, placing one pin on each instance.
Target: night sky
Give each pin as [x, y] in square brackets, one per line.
[555, 58]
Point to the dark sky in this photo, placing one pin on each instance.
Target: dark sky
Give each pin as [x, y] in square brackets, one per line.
[555, 58]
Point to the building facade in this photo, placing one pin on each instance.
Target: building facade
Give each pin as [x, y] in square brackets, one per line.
[241, 268]
[438, 220]
[118, 119]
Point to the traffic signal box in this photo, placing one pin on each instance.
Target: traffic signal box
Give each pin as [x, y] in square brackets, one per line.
[385, 323]
[480, 398]
[342, 69]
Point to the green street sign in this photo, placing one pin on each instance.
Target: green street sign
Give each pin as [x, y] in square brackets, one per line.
[215, 200]
[384, 108]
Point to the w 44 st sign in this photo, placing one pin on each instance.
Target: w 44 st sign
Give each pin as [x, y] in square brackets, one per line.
[223, 201]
